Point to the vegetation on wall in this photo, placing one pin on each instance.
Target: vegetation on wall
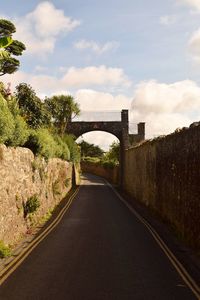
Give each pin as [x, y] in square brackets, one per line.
[4, 250]
[31, 205]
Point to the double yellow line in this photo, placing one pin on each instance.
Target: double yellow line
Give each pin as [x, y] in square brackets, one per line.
[174, 261]
[12, 266]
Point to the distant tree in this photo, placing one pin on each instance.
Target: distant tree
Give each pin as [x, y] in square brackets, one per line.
[32, 108]
[62, 109]
[113, 153]
[91, 150]
[9, 47]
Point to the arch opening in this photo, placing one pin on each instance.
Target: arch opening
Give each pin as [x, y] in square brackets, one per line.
[102, 139]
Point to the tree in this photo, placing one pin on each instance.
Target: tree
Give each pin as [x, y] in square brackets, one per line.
[9, 47]
[113, 153]
[91, 150]
[31, 107]
[62, 108]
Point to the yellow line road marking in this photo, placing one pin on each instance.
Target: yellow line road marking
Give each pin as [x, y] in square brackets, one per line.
[174, 261]
[10, 268]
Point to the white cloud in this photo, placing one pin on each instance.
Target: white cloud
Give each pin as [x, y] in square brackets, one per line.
[102, 75]
[40, 28]
[165, 107]
[72, 78]
[98, 101]
[95, 47]
[168, 20]
[192, 3]
[39, 68]
[194, 45]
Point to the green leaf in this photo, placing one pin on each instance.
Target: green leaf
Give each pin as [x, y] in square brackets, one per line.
[5, 42]
[4, 54]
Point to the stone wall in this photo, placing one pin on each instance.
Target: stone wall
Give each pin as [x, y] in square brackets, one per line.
[110, 174]
[164, 174]
[22, 176]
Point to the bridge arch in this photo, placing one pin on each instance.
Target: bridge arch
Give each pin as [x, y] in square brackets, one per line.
[120, 129]
[99, 138]
[117, 128]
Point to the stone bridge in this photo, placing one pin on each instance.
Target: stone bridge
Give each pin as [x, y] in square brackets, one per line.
[120, 129]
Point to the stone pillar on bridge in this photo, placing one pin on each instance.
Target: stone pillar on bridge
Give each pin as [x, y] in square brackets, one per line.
[124, 143]
[141, 131]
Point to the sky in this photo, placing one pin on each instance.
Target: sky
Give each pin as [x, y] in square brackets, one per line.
[112, 55]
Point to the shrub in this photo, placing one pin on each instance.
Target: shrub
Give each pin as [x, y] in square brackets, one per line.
[4, 250]
[7, 124]
[41, 142]
[110, 164]
[20, 133]
[91, 159]
[62, 148]
[31, 205]
[73, 148]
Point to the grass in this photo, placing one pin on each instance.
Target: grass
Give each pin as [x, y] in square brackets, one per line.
[4, 250]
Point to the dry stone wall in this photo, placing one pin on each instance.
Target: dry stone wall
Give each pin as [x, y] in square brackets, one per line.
[22, 176]
[164, 174]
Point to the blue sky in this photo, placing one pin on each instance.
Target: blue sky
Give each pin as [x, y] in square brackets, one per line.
[141, 55]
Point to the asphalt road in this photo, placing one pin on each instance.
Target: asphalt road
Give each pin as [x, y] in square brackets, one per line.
[99, 251]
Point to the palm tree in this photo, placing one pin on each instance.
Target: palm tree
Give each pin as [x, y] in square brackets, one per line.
[62, 108]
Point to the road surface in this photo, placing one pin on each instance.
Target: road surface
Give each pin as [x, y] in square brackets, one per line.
[99, 251]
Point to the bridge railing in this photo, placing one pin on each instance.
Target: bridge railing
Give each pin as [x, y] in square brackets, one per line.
[98, 116]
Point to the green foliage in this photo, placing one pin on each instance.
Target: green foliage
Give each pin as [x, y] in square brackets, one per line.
[8, 65]
[4, 43]
[31, 205]
[16, 47]
[109, 164]
[108, 160]
[113, 153]
[91, 159]
[13, 106]
[73, 148]
[62, 149]
[31, 107]
[46, 217]
[22, 120]
[91, 150]
[13, 128]
[20, 134]
[9, 47]
[4, 250]
[62, 108]
[7, 28]
[41, 142]
[7, 124]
